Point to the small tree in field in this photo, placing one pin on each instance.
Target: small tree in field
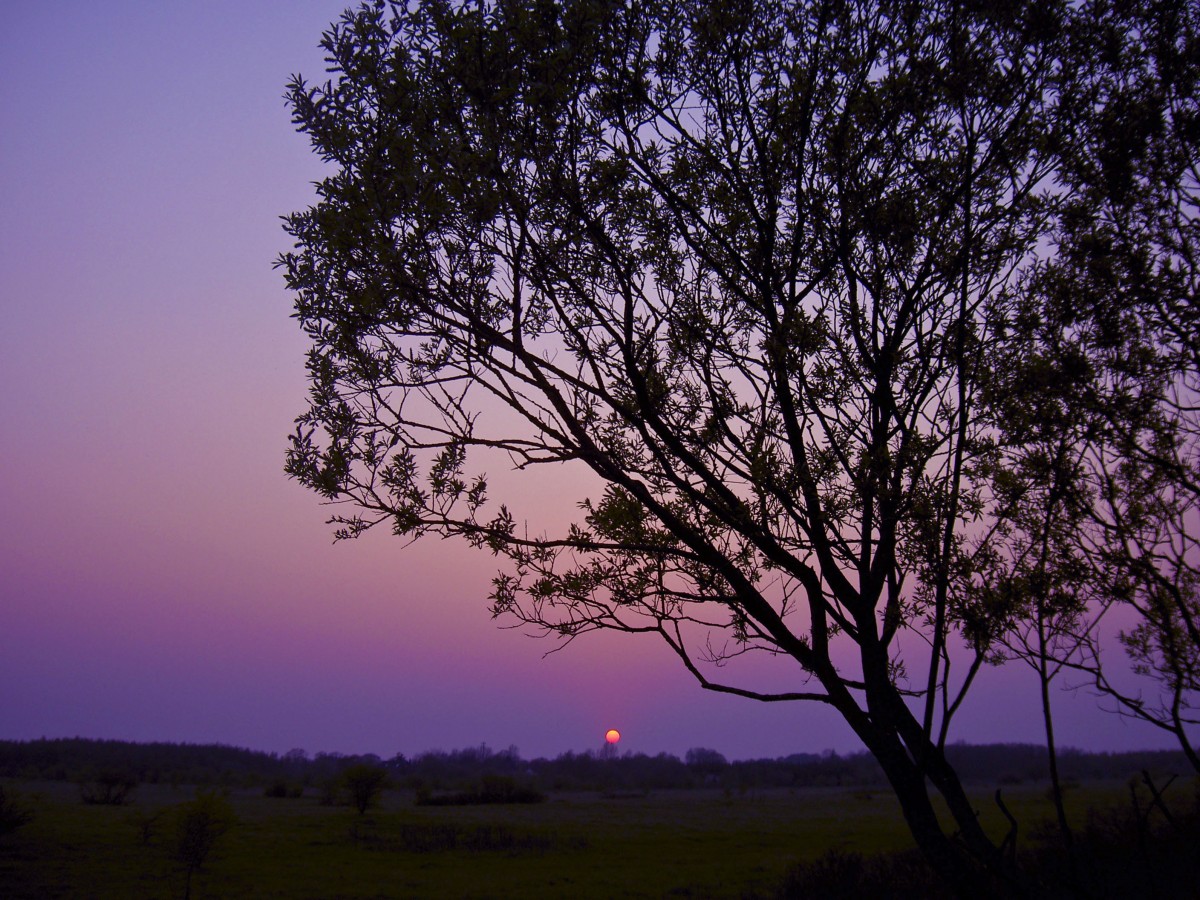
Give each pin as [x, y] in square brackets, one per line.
[199, 824]
[761, 272]
[365, 784]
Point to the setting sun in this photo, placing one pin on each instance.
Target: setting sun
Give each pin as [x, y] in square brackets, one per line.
[612, 735]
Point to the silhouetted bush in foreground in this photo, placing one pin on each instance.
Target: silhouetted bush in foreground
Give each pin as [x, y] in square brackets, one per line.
[1139, 849]
[1143, 849]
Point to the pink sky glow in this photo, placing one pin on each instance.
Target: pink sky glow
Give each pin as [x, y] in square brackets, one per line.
[160, 578]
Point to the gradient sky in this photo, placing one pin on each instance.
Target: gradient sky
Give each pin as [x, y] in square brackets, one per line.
[160, 578]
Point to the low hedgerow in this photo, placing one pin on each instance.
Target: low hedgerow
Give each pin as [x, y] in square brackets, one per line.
[492, 789]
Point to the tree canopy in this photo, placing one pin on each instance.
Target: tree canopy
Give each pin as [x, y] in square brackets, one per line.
[804, 288]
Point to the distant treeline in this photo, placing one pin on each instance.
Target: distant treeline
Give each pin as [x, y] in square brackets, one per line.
[81, 759]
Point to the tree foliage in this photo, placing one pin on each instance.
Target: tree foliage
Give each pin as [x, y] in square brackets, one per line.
[1105, 359]
[796, 286]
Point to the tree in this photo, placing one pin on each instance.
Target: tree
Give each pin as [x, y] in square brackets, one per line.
[199, 824]
[365, 782]
[1141, 241]
[1113, 323]
[751, 267]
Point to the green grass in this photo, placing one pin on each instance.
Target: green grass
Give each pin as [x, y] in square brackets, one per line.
[669, 843]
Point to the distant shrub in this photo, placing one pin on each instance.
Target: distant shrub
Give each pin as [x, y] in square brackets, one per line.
[276, 789]
[109, 787]
[281, 788]
[13, 812]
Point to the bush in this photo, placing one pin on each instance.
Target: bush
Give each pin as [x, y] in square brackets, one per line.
[110, 787]
[1144, 848]
[281, 788]
[1138, 849]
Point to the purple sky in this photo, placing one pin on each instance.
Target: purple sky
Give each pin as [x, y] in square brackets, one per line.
[160, 578]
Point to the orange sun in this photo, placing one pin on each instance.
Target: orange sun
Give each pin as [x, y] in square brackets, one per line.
[612, 735]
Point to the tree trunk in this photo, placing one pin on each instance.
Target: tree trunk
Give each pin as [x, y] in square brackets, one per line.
[970, 862]
[966, 875]
[973, 866]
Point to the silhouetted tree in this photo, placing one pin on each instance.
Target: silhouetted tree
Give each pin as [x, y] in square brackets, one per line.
[365, 783]
[199, 824]
[753, 267]
[1137, 251]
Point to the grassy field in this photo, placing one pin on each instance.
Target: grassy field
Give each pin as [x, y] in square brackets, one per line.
[665, 844]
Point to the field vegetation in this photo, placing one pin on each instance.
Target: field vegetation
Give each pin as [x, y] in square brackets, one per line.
[216, 821]
[710, 842]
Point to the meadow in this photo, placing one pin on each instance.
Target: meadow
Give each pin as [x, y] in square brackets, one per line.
[682, 843]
